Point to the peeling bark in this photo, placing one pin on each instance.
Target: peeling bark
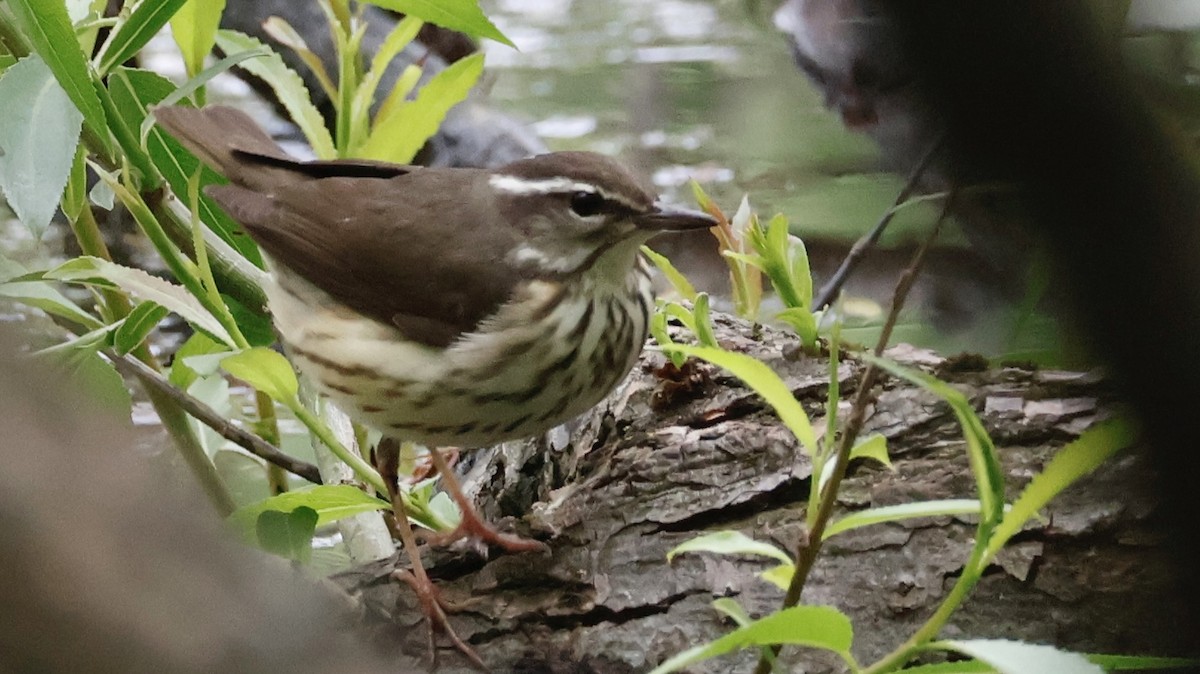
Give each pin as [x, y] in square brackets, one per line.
[646, 471]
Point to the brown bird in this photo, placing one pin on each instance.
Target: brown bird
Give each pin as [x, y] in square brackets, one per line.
[446, 306]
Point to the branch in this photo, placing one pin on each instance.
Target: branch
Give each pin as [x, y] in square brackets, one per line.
[810, 546]
[209, 417]
[868, 240]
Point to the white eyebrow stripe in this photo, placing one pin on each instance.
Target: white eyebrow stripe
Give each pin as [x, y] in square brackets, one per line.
[521, 186]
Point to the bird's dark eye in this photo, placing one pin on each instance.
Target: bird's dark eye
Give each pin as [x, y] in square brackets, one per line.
[586, 203]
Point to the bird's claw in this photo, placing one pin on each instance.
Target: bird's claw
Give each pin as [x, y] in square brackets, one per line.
[434, 608]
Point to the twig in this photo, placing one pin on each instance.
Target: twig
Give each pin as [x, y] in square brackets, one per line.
[211, 418]
[810, 544]
[857, 252]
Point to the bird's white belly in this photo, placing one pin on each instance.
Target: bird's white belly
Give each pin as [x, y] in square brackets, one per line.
[513, 377]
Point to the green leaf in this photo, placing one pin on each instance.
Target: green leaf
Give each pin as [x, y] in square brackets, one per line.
[802, 321]
[133, 92]
[755, 374]
[90, 372]
[287, 534]
[102, 195]
[143, 286]
[398, 136]
[801, 270]
[256, 326]
[749, 259]
[729, 607]
[1075, 460]
[39, 136]
[702, 199]
[775, 246]
[48, 27]
[86, 15]
[208, 364]
[1135, 662]
[137, 326]
[1016, 657]
[401, 88]
[814, 626]
[874, 446]
[658, 330]
[678, 281]
[265, 370]
[147, 17]
[282, 32]
[445, 512]
[36, 292]
[288, 88]
[331, 502]
[702, 324]
[681, 314]
[41, 295]
[93, 340]
[959, 667]
[905, 511]
[182, 374]
[779, 576]
[75, 194]
[360, 108]
[214, 392]
[197, 81]
[460, 15]
[79, 10]
[985, 465]
[7, 61]
[729, 543]
[194, 28]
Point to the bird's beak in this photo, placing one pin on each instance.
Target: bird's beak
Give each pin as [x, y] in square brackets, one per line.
[667, 219]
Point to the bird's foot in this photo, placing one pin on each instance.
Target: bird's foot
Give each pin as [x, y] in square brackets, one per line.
[473, 527]
[435, 609]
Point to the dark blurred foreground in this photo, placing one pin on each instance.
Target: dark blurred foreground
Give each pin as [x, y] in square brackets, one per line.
[106, 569]
[1036, 91]
[1035, 97]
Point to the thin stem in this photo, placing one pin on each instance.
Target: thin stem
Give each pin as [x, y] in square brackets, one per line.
[268, 430]
[361, 468]
[214, 302]
[238, 282]
[11, 38]
[864, 244]
[810, 545]
[185, 271]
[130, 144]
[174, 420]
[237, 276]
[91, 242]
[152, 380]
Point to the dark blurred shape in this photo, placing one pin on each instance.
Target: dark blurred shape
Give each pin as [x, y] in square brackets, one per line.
[1036, 91]
[854, 53]
[473, 134]
[107, 569]
[850, 51]
[448, 44]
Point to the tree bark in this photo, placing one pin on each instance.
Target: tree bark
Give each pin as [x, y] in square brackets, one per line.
[663, 461]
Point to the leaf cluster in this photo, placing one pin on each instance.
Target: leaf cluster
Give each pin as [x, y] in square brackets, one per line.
[75, 113]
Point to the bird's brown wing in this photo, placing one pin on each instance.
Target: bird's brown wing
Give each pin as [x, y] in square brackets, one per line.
[228, 140]
[363, 241]
[353, 229]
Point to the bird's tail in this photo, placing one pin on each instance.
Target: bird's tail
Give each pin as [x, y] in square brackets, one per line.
[228, 140]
